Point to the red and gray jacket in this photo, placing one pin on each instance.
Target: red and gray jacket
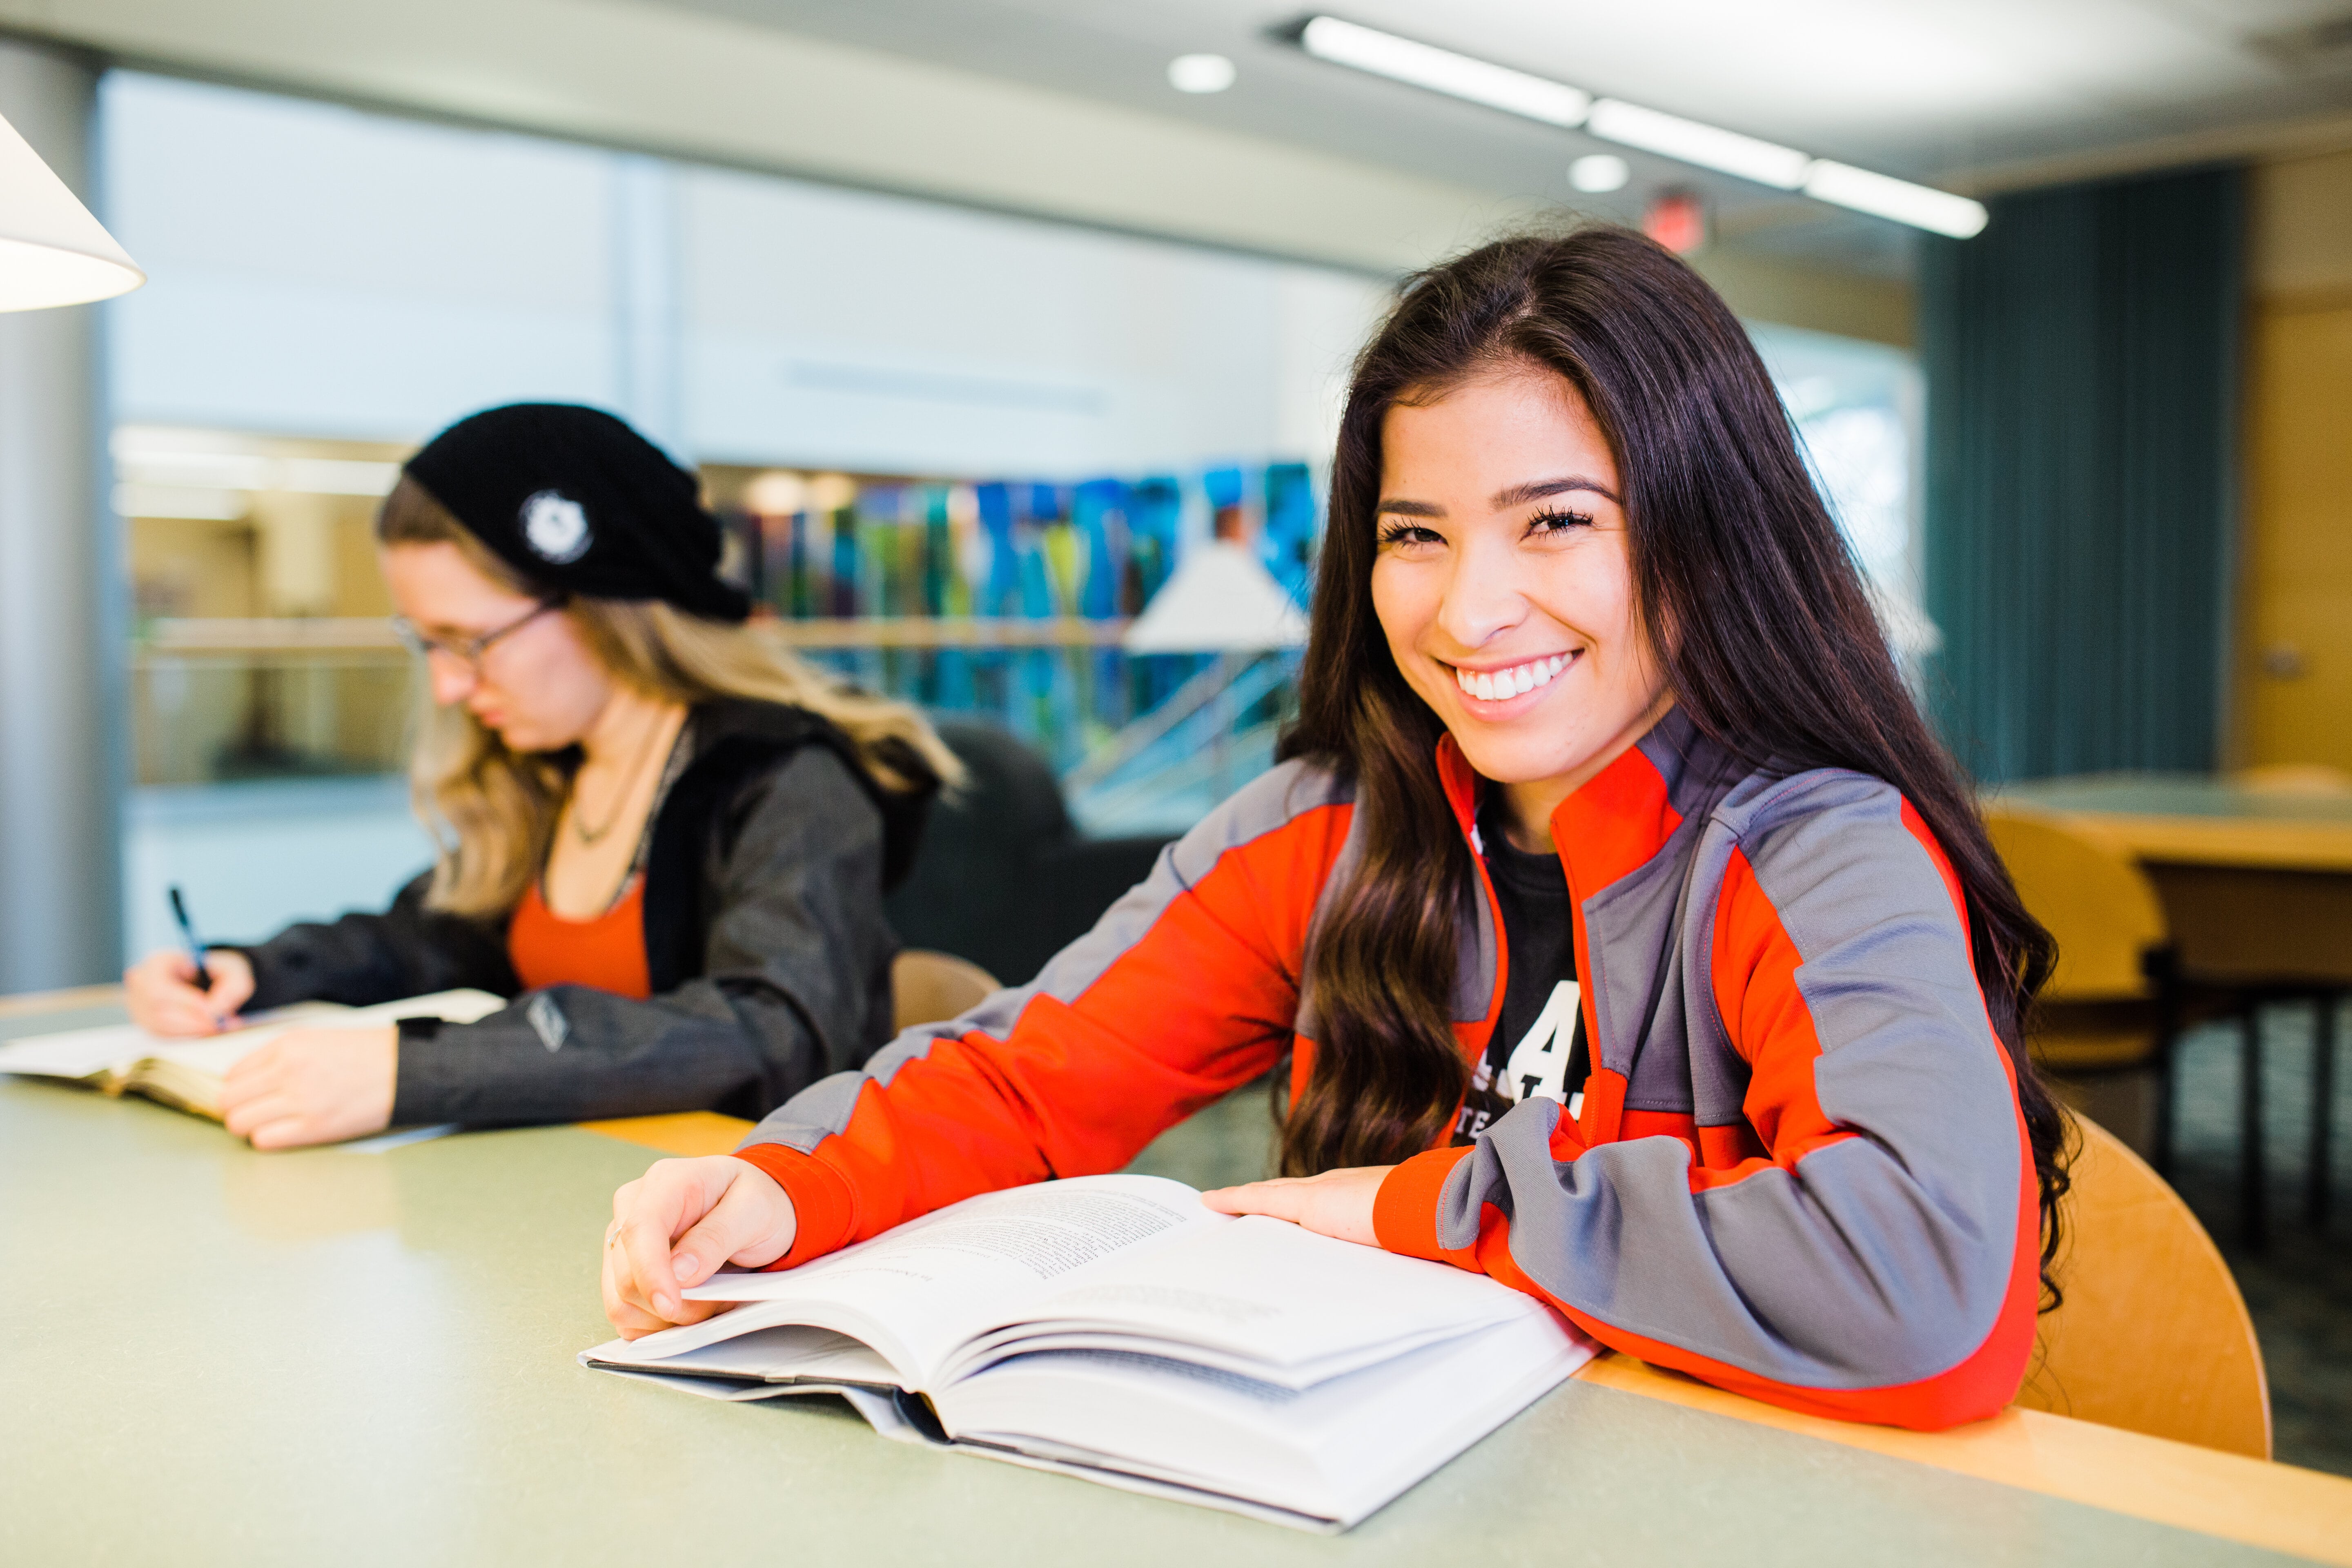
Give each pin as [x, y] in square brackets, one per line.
[1800, 1170]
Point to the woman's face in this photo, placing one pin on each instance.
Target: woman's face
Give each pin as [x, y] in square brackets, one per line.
[540, 686]
[1503, 581]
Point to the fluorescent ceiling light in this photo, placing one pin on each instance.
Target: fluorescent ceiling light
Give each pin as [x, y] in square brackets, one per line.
[1443, 71]
[1921, 207]
[1708, 146]
[1613, 119]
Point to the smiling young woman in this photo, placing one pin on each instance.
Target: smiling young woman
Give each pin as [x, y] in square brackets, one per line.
[1628, 935]
[664, 837]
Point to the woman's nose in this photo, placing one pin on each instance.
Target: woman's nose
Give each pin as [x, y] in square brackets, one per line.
[1482, 596]
[451, 681]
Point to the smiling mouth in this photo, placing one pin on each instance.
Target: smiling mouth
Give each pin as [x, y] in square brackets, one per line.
[1513, 680]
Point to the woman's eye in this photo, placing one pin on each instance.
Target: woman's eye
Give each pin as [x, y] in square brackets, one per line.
[1406, 536]
[1553, 524]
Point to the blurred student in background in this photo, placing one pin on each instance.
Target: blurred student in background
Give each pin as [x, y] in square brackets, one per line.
[1628, 935]
[664, 835]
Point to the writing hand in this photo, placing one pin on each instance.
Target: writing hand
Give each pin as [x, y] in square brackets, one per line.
[161, 990]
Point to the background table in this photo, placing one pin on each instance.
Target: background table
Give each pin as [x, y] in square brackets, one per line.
[2257, 885]
[211, 1355]
[2257, 892]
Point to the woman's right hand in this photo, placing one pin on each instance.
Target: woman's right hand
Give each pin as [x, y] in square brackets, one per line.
[673, 1226]
[161, 990]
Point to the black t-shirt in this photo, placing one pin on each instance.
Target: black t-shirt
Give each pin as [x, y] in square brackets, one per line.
[1538, 1046]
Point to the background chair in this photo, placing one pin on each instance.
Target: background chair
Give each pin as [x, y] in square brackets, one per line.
[1003, 879]
[2152, 1336]
[927, 987]
[2105, 1023]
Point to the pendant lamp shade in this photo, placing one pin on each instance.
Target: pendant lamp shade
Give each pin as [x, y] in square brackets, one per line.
[1221, 600]
[52, 252]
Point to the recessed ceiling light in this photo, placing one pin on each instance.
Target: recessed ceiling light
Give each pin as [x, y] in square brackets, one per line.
[1200, 73]
[1599, 172]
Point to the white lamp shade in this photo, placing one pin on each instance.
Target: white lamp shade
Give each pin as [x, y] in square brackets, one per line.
[52, 252]
[1222, 599]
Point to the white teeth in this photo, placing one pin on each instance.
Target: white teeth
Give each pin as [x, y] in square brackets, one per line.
[1501, 685]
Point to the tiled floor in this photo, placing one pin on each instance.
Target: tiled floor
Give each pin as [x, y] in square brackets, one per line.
[2299, 1291]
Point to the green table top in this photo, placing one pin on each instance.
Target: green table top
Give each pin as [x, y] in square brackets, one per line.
[211, 1355]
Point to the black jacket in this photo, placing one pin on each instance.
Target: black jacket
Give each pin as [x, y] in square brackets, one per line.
[765, 942]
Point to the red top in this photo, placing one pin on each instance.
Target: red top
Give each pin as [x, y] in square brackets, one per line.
[608, 953]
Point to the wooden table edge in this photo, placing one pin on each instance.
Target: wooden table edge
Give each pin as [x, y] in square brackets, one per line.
[2252, 843]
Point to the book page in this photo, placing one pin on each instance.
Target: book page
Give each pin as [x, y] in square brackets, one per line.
[917, 1291]
[786, 1354]
[1262, 1298]
[1335, 1451]
[115, 1047]
[78, 1053]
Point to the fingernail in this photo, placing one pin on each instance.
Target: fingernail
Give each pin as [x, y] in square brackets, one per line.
[683, 1266]
[665, 1304]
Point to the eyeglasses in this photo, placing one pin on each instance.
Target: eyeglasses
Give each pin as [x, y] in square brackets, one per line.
[468, 651]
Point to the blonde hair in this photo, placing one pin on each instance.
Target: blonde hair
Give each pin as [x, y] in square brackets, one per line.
[493, 810]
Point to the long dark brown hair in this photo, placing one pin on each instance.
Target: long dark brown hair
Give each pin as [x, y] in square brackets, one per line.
[1775, 655]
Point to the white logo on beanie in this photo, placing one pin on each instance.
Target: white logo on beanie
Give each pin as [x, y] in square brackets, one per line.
[556, 527]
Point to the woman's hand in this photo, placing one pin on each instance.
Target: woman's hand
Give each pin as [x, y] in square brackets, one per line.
[312, 1086]
[1337, 1203]
[161, 990]
[674, 1226]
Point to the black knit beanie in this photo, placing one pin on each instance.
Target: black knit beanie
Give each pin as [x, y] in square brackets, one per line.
[573, 498]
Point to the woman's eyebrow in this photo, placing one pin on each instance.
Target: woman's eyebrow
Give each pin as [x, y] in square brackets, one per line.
[1413, 507]
[1537, 490]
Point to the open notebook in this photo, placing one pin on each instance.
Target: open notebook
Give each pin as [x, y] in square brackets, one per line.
[1113, 1328]
[123, 1058]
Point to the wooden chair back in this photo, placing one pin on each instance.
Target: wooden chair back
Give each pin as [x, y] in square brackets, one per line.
[2153, 1336]
[2084, 885]
[927, 987]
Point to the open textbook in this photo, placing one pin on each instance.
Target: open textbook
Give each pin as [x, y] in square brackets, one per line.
[123, 1058]
[1113, 1328]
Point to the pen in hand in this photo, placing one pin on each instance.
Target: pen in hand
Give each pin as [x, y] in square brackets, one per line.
[188, 935]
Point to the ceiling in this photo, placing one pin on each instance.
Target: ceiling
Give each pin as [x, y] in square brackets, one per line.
[1940, 90]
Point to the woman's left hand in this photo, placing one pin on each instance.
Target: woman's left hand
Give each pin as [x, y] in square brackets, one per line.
[1337, 1203]
[312, 1086]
